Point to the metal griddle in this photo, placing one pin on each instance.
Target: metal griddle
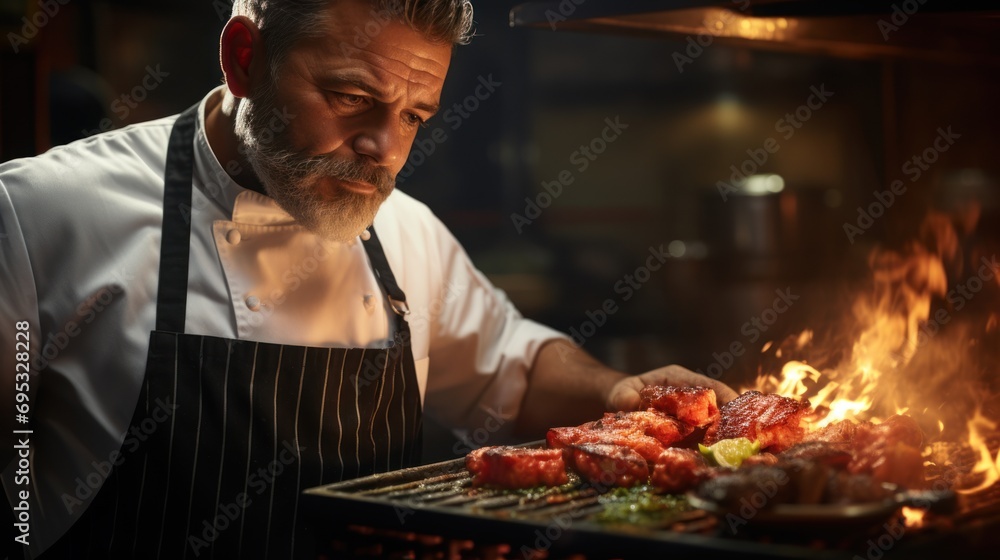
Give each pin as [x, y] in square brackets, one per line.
[439, 499]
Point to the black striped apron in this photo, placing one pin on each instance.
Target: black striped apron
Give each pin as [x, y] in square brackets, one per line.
[227, 433]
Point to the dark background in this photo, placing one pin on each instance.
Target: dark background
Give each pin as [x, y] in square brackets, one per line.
[656, 185]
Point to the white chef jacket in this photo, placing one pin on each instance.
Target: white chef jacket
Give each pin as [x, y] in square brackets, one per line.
[80, 230]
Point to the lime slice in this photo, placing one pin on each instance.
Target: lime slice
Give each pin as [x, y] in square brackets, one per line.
[729, 453]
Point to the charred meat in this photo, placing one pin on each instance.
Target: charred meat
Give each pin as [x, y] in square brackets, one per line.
[608, 465]
[646, 432]
[678, 470]
[516, 467]
[774, 421]
[691, 405]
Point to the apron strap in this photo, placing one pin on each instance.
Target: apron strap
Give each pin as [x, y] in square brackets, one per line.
[397, 299]
[175, 243]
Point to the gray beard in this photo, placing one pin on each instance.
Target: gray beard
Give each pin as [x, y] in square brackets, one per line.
[292, 179]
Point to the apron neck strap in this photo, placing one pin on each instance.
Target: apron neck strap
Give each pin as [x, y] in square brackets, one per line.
[397, 299]
[175, 243]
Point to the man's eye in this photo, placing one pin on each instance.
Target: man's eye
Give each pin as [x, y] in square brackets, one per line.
[415, 120]
[350, 99]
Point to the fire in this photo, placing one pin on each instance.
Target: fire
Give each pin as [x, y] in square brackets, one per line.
[897, 363]
[913, 517]
[986, 465]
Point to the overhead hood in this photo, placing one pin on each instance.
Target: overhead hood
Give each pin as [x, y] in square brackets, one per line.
[957, 31]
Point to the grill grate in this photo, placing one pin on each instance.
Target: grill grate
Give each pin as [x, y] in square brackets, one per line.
[466, 522]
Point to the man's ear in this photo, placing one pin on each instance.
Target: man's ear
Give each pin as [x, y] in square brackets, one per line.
[241, 53]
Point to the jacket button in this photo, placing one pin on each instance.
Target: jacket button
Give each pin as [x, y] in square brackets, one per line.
[253, 303]
[234, 237]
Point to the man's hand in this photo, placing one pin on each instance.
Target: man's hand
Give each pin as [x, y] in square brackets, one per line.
[625, 394]
[567, 387]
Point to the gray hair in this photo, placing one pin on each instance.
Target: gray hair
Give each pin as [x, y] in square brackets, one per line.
[283, 22]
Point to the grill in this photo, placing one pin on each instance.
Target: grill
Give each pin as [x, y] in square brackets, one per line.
[433, 511]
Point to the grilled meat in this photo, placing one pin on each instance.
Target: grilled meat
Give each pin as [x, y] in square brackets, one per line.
[842, 431]
[627, 448]
[791, 481]
[899, 428]
[516, 467]
[895, 429]
[666, 429]
[760, 459]
[828, 453]
[761, 486]
[772, 420]
[646, 432]
[608, 465]
[888, 452]
[692, 405]
[679, 470]
[646, 446]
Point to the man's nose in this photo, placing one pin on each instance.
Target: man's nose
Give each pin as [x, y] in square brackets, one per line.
[380, 140]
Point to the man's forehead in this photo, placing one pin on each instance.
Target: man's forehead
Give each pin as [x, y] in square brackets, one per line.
[358, 37]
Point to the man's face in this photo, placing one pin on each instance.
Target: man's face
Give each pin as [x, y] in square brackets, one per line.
[357, 100]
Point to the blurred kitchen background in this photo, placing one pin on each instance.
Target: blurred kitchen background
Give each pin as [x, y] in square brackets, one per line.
[691, 114]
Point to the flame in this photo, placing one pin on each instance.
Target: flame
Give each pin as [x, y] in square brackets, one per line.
[897, 363]
[986, 465]
[913, 517]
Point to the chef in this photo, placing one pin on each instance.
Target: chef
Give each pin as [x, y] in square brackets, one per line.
[222, 308]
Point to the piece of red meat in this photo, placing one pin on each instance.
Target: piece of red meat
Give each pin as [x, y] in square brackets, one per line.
[516, 467]
[695, 406]
[646, 446]
[772, 420]
[890, 452]
[666, 429]
[678, 470]
[646, 432]
[608, 465]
